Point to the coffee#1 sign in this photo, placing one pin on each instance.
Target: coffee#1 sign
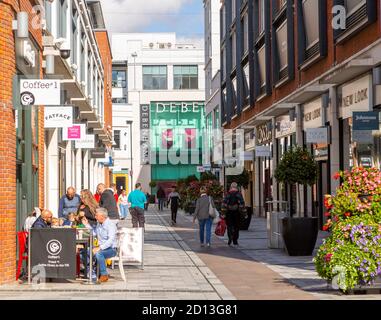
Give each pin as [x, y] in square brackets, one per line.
[40, 92]
[58, 117]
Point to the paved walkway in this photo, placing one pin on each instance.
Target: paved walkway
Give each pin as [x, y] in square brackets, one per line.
[176, 267]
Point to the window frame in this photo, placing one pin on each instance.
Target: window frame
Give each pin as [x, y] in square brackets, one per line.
[155, 76]
[182, 76]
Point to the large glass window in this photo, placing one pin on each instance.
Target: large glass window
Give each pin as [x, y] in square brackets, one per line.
[74, 38]
[117, 139]
[223, 21]
[223, 63]
[234, 9]
[48, 15]
[311, 21]
[261, 11]
[262, 65]
[62, 19]
[119, 79]
[282, 45]
[234, 49]
[185, 77]
[353, 5]
[245, 28]
[246, 79]
[155, 78]
[234, 82]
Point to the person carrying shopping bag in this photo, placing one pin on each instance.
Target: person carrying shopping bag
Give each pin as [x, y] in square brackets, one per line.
[202, 214]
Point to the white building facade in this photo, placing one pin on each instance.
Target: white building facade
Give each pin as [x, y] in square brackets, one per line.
[69, 25]
[149, 68]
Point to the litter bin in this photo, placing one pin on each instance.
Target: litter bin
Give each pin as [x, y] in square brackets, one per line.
[274, 223]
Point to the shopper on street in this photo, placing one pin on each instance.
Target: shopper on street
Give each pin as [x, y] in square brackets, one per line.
[68, 203]
[88, 206]
[107, 201]
[161, 198]
[232, 203]
[202, 215]
[123, 204]
[174, 200]
[137, 199]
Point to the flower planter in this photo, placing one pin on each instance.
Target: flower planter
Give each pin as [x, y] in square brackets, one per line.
[299, 235]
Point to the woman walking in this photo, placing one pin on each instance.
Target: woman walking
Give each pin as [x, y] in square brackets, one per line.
[174, 199]
[203, 217]
[123, 204]
[88, 205]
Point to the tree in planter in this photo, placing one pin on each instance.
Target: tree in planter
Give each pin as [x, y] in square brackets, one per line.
[207, 176]
[297, 167]
[152, 185]
[242, 179]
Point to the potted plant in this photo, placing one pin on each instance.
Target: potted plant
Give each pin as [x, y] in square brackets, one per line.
[350, 257]
[298, 167]
[243, 181]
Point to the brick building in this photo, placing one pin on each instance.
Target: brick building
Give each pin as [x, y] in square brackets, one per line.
[21, 134]
[286, 71]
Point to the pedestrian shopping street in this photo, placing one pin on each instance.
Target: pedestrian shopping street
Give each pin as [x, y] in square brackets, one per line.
[177, 268]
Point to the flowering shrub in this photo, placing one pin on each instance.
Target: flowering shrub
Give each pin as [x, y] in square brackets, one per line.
[354, 247]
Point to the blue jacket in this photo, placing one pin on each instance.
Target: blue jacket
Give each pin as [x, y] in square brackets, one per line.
[40, 224]
[66, 206]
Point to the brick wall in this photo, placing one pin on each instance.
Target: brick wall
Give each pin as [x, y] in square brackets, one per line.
[8, 10]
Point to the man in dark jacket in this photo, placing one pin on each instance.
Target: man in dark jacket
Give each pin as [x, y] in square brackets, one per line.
[161, 198]
[44, 220]
[107, 201]
[232, 202]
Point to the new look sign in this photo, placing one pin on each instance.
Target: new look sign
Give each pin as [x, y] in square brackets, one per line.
[58, 117]
[40, 92]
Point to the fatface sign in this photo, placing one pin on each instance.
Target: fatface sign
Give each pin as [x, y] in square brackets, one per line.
[40, 92]
[87, 143]
[75, 132]
[53, 252]
[355, 97]
[58, 117]
[366, 121]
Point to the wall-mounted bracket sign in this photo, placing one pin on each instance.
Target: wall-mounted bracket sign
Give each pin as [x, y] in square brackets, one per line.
[87, 143]
[317, 135]
[75, 132]
[58, 117]
[366, 121]
[40, 92]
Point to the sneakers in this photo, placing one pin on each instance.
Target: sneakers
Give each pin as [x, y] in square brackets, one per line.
[208, 245]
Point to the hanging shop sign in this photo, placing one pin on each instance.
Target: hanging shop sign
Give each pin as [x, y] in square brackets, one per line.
[87, 143]
[362, 136]
[366, 121]
[284, 127]
[263, 151]
[75, 132]
[40, 92]
[312, 114]
[58, 117]
[53, 252]
[317, 135]
[249, 140]
[263, 134]
[99, 153]
[355, 96]
[144, 133]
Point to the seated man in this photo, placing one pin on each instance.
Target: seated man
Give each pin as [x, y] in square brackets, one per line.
[44, 220]
[105, 232]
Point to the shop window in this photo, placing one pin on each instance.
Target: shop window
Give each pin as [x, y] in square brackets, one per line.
[185, 77]
[155, 78]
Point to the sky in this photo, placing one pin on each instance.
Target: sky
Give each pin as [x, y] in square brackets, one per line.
[185, 17]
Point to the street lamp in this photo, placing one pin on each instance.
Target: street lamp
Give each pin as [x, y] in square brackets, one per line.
[134, 55]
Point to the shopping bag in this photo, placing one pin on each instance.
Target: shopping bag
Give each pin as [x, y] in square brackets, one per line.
[221, 228]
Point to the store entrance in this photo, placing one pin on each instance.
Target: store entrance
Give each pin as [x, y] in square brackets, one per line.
[321, 190]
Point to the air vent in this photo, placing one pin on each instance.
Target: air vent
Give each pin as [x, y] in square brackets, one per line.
[313, 51]
[355, 18]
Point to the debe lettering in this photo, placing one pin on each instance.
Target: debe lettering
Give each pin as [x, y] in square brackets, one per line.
[175, 107]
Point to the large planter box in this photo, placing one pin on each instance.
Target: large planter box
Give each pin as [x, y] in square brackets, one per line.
[299, 235]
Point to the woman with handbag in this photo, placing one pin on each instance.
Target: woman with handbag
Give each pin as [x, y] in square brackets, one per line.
[234, 204]
[205, 213]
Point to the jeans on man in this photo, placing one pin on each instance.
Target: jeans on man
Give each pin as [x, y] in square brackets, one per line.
[137, 215]
[208, 224]
[161, 204]
[123, 211]
[101, 256]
